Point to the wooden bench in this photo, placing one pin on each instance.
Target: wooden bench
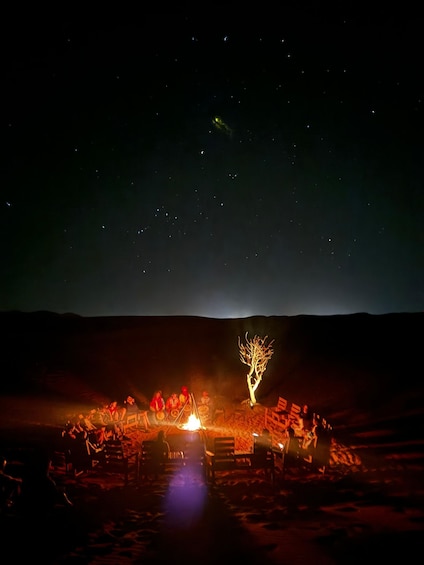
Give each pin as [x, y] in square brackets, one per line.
[148, 464]
[225, 458]
[151, 467]
[114, 459]
[222, 458]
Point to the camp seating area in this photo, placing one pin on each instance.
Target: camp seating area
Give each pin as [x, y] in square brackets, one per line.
[114, 457]
[224, 457]
[132, 458]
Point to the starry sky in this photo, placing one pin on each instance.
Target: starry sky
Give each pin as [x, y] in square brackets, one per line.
[220, 164]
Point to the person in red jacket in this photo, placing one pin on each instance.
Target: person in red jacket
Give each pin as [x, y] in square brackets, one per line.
[157, 407]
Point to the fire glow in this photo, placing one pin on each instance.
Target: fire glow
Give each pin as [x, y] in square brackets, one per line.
[193, 424]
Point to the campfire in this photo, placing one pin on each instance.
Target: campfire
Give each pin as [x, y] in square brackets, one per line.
[193, 424]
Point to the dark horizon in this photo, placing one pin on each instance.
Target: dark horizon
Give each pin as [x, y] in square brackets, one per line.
[76, 315]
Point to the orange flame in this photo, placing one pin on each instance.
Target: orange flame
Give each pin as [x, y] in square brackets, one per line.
[193, 424]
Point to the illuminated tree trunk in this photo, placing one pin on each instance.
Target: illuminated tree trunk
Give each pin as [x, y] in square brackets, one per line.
[255, 354]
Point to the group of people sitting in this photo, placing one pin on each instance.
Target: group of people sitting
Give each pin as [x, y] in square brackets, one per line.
[87, 433]
[108, 422]
[172, 408]
[169, 408]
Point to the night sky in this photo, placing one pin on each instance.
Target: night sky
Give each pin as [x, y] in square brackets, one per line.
[220, 165]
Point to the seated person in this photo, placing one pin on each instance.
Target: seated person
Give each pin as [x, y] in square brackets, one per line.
[307, 416]
[263, 442]
[161, 451]
[172, 406]
[85, 422]
[113, 416]
[185, 397]
[94, 434]
[296, 424]
[76, 448]
[309, 436]
[293, 448]
[205, 407]
[131, 405]
[102, 419]
[157, 407]
[205, 399]
[323, 441]
[117, 412]
[99, 417]
[132, 408]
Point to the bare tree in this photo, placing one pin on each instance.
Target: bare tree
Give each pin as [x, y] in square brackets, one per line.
[255, 354]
